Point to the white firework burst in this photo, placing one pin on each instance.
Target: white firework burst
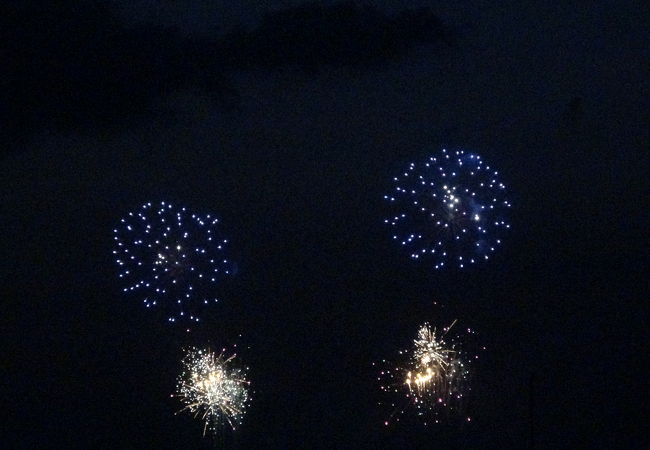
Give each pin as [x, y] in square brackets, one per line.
[213, 388]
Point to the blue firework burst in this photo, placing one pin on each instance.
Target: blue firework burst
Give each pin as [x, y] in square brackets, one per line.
[450, 208]
[172, 258]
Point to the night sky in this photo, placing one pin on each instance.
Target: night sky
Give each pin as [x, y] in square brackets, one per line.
[289, 121]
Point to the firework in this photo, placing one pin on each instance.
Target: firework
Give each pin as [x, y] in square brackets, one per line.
[431, 379]
[450, 208]
[171, 258]
[213, 388]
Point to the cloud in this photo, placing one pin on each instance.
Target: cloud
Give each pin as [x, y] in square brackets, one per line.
[344, 34]
[71, 65]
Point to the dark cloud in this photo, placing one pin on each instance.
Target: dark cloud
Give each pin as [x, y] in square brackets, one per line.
[71, 65]
[343, 34]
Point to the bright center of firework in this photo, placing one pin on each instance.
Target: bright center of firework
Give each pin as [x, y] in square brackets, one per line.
[421, 379]
[172, 261]
[429, 349]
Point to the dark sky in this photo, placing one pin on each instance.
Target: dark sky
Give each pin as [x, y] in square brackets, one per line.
[293, 142]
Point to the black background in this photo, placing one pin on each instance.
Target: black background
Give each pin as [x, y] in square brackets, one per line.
[292, 137]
